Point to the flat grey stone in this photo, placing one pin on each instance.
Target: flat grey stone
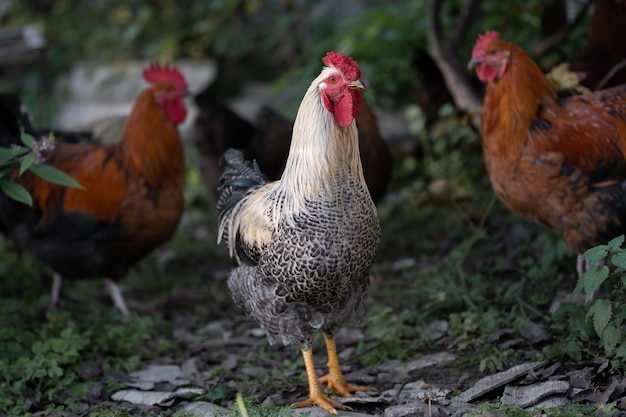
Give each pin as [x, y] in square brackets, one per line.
[205, 409]
[491, 382]
[526, 395]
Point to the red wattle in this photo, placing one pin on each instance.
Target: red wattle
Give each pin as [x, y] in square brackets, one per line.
[343, 111]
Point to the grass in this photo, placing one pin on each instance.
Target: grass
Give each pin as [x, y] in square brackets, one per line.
[572, 410]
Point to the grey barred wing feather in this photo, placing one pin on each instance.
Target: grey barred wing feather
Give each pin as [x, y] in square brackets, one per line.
[243, 228]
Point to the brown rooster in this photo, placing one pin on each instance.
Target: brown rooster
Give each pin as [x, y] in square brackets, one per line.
[218, 128]
[306, 243]
[559, 161]
[133, 196]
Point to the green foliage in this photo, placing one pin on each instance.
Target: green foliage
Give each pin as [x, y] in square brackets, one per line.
[571, 410]
[30, 157]
[583, 329]
[246, 408]
[39, 365]
[607, 314]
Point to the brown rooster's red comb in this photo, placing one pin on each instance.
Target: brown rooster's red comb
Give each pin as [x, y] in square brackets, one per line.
[490, 35]
[156, 73]
[345, 64]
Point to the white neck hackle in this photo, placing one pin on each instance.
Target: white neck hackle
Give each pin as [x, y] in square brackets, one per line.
[321, 152]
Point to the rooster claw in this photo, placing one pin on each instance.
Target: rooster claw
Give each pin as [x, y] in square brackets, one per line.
[322, 401]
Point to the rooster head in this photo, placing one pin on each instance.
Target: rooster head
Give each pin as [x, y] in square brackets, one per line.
[340, 90]
[490, 57]
[170, 87]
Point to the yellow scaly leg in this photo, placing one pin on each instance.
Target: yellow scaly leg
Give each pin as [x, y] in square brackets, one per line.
[335, 380]
[316, 395]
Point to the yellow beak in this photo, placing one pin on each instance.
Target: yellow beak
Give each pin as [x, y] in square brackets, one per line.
[473, 63]
[356, 85]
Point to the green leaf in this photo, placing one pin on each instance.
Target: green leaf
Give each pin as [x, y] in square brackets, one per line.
[620, 353]
[601, 313]
[616, 242]
[572, 349]
[26, 163]
[611, 338]
[54, 175]
[619, 258]
[16, 192]
[27, 140]
[6, 155]
[593, 278]
[596, 254]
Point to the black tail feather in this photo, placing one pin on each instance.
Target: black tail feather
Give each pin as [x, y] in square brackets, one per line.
[238, 179]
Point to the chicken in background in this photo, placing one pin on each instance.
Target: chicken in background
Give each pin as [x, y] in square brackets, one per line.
[603, 63]
[133, 197]
[218, 128]
[306, 242]
[558, 161]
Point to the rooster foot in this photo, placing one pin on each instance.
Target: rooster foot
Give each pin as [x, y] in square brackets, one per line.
[334, 379]
[321, 400]
[338, 384]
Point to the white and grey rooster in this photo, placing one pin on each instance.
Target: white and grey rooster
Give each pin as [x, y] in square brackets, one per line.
[305, 243]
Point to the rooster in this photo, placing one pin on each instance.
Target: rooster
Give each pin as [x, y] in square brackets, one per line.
[132, 199]
[559, 161]
[306, 242]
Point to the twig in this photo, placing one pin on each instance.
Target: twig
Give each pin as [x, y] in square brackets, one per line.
[545, 45]
[610, 74]
[466, 16]
[445, 56]
[479, 227]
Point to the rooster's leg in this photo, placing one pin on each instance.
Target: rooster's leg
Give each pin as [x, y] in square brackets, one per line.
[57, 283]
[116, 296]
[316, 395]
[335, 379]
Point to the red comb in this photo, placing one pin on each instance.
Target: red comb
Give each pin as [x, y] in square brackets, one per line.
[489, 36]
[345, 64]
[156, 73]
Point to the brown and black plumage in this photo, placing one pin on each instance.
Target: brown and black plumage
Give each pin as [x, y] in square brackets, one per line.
[305, 243]
[560, 161]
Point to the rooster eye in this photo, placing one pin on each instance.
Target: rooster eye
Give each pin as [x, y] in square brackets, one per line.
[332, 79]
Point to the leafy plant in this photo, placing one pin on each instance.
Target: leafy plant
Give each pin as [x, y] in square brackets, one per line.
[30, 157]
[572, 410]
[608, 315]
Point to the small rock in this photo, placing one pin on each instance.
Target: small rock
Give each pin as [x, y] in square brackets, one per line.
[556, 401]
[254, 371]
[90, 370]
[489, 383]
[412, 409]
[319, 412]
[429, 360]
[190, 367]
[154, 397]
[204, 409]
[146, 378]
[526, 395]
